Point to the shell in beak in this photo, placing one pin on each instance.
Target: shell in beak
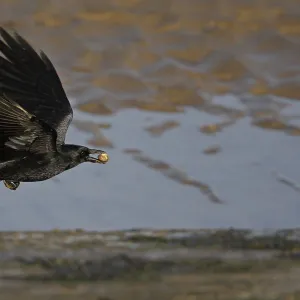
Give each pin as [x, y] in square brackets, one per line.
[101, 159]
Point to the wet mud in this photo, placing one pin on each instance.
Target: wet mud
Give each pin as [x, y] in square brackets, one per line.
[176, 264]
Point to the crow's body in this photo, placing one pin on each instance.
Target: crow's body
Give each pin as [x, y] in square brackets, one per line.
[34, 117]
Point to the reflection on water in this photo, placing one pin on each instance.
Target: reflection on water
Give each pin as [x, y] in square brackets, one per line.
[196, 102]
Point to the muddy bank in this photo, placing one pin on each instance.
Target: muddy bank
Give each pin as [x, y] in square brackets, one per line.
[174, 264]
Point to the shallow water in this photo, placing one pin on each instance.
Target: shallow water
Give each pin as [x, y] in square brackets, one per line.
[196, 104]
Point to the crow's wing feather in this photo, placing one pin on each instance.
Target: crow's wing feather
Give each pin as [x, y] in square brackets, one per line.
[21, 132]
[31, 80]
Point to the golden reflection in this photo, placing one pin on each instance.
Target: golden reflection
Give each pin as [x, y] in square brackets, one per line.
[162, 55]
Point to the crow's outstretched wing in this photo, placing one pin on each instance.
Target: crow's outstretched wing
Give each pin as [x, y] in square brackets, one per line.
[22, 133]
[31, 80]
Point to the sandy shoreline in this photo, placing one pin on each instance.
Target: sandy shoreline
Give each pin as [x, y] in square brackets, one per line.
[117, 264]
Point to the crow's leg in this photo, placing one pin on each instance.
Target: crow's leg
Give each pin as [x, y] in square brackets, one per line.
[12, 185]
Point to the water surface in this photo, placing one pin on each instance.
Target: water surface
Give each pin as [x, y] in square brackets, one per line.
[197, 104]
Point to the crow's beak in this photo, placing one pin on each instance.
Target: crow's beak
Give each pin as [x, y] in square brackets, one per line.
[101, 159]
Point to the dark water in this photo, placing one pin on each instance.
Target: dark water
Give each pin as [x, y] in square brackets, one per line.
[196, 102]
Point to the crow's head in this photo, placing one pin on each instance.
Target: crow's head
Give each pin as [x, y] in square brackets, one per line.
[79, 154]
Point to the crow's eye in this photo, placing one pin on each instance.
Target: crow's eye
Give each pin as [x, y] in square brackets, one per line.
[83, 153]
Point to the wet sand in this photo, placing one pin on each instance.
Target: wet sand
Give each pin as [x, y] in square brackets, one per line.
[147, 264]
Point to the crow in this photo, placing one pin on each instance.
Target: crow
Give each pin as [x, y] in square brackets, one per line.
[35, 114]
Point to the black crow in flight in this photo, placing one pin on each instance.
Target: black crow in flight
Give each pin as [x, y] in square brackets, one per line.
[35, 114]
